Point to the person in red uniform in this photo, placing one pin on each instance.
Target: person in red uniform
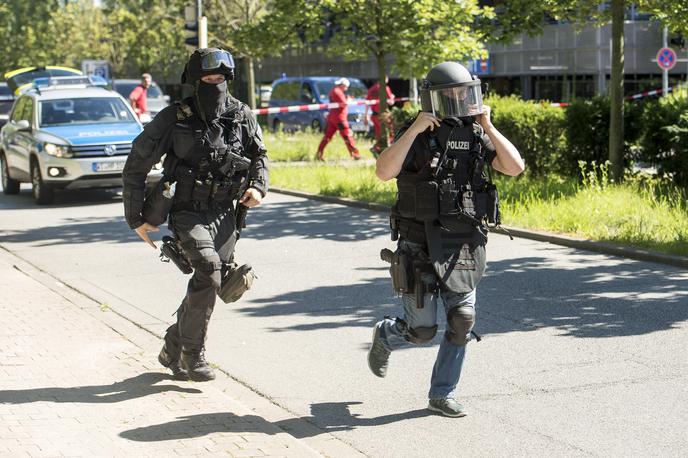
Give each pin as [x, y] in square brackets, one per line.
[139, 96]
[374, 94]
[336, 121]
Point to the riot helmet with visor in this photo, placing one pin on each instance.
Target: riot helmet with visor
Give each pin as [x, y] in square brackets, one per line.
[450, 91]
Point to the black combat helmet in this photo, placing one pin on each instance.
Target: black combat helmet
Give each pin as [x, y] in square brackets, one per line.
[208, 61]
[449, 90]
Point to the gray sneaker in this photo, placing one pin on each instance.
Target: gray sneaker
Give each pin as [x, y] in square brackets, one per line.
[378, 355]
[447, 407]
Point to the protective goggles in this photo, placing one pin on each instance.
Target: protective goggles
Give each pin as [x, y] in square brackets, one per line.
[457, 101]
[216, 59]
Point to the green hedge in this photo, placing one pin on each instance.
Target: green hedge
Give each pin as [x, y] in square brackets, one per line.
[537, 130]
[664, 138]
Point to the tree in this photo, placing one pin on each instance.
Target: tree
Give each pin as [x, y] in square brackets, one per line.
[416, 33]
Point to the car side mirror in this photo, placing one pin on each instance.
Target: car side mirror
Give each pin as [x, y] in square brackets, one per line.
[22, 124]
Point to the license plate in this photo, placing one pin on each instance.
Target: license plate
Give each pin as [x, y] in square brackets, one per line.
[114, 166]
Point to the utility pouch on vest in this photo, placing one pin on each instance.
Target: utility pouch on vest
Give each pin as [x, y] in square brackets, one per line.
[236, 282]
[158, 203]
[427, 200]
[448, 198]
[481, 199]
[493, 216]
[185, 183]
[406, 198]
[201, 191]
[220, 190]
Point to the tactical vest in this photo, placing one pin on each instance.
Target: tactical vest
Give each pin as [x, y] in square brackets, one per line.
[205, 162]
[453, 198]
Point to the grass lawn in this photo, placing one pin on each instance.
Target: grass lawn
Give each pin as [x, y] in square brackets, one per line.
[302, 146]
[635, 213]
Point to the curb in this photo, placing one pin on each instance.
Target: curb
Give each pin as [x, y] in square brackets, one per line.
[572, 242]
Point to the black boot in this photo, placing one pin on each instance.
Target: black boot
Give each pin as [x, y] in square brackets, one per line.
[195, 365]
[172, 363]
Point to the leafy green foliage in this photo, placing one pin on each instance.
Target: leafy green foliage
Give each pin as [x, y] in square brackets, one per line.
[664, 141]
[537, 130]
[135, 36]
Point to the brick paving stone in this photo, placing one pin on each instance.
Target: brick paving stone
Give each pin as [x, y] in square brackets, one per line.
[53, 402]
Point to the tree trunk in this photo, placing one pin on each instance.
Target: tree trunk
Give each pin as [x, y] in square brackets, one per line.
[616, 115]
[250, 83]
[383, 112]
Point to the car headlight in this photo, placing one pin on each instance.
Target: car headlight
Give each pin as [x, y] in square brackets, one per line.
[57, 150]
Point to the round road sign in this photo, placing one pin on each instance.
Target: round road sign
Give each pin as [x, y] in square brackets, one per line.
[666, 58]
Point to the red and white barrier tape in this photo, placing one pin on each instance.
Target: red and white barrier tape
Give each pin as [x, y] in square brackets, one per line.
[630, 97]
[318, 106]
[647, 94]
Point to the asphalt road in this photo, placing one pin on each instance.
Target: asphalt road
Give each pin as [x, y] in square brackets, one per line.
[583, 353]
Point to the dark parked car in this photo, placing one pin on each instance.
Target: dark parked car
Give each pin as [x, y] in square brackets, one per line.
[156, 99]
[6, 101]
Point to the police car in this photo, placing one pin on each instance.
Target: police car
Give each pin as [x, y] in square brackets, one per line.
[66, 133]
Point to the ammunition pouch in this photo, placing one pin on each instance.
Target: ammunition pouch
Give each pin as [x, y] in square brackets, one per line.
[493, 214]
[156, 205]
[236, 282]
[418, 199]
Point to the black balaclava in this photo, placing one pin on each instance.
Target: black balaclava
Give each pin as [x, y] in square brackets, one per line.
[211, 99]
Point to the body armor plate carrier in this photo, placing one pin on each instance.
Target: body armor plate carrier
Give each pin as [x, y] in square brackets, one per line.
[455, 200]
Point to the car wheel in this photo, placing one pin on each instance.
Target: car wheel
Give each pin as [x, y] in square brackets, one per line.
[9, 185]
[42, 193]
[277, 126]
[316, 126]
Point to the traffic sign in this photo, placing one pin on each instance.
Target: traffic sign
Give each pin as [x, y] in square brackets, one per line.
[666, 58]
[96, 67]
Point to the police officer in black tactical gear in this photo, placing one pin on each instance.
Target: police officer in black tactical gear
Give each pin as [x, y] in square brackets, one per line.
[207, 140]
[444, 204]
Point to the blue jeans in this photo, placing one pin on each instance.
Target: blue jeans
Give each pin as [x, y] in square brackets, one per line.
[447, 369]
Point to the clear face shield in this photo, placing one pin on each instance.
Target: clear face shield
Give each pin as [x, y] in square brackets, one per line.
[457, 101]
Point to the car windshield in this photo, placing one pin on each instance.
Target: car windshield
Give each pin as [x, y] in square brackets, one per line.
[125, 89]
[83, 111]
[357, 89]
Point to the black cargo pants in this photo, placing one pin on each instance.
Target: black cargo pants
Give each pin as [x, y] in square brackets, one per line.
[207, 238]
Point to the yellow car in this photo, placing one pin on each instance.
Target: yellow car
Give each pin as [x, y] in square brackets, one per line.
[21, 79]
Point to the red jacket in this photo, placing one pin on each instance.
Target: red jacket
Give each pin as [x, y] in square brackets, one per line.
[337, 114]
[140, 97]
[374, 93]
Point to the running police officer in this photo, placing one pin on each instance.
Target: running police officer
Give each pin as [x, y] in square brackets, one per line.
[207, 139]
[444, 202]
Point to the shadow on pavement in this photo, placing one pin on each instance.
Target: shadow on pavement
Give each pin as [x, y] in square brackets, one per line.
[356, 305]
[327, 416]
[78, 230]
[131, 388]
[583, 300]
[63, 199]
[312, 219]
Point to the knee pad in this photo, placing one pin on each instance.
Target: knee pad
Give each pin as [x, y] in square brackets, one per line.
[460, 321]
[421, 335]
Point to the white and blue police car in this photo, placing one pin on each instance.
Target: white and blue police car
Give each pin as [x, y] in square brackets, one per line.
[66, 133]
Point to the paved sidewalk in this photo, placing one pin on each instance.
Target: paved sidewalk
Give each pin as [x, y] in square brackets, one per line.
[70, 385]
